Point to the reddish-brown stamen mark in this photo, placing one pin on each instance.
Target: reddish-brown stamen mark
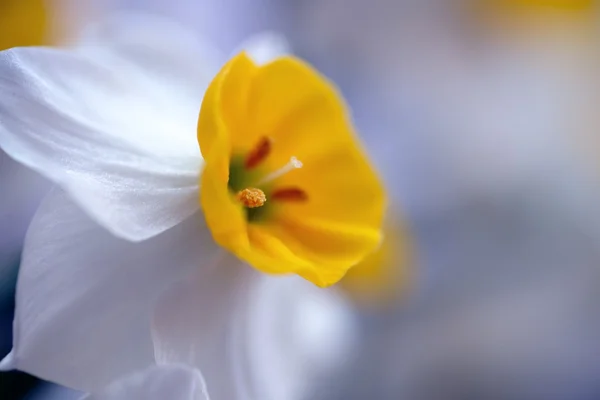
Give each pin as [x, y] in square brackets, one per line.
[289, 194]
[258, 153]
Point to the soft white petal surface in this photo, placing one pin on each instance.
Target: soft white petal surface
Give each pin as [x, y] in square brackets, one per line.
[158, 50]
[112, 121]
[85, 298]
[165, 382]
[254, 336]
[195, 318]
[296, 334]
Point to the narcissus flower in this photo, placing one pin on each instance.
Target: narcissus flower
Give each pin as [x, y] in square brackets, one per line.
[286, 186]
[119, 270]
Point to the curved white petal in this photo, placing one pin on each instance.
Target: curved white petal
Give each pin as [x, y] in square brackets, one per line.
[112, 121]
[85, 297]
[253, 335]
[193, 322]
[159, 49]
[164, 382]
[295, 335]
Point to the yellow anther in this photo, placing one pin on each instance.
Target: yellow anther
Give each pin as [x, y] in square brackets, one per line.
[252, 197]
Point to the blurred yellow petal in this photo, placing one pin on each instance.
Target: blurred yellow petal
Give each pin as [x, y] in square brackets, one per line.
[561, 23]
[289, 137]
[565, 5]
[23, 23]
[385, 275]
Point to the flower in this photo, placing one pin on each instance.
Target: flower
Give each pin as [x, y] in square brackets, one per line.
[119, 270]
[286, 186]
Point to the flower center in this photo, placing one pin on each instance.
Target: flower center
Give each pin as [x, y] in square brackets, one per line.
[253, 197]
[250, 190]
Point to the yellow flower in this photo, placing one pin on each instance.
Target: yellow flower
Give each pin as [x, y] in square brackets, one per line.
[384, 275]
[22, 23]
[286, 186]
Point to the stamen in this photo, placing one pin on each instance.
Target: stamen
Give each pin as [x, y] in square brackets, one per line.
[259, 153]
[289, 194]
[252, 197]
[290, 166]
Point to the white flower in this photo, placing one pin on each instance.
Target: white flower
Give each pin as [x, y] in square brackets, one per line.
[119, 272]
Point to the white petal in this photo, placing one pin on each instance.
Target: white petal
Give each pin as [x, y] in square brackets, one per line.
[253, 335]
[165, 382]
[115, 127]
[265, 47]
[85, 297]
[295, 335]
[159, 49]
[194, 320]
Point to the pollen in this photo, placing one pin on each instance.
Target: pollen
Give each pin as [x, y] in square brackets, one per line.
[252, 197]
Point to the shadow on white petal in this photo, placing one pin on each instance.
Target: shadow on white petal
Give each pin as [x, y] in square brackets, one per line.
[164, 382]
[22, 190]
[194, 319]
[85, 298]
[50, 391]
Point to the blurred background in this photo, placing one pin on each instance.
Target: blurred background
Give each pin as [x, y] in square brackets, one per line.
[481, 116]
